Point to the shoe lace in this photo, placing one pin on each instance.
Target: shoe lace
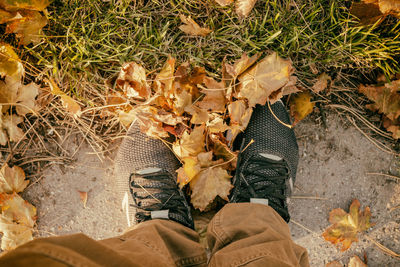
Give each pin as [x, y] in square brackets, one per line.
[168, 196]
[264, 178]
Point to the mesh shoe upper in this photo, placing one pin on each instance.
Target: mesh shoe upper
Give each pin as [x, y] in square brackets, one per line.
[143, 191]
[267, 168]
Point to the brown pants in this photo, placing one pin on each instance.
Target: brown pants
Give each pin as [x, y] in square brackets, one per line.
[239, 234]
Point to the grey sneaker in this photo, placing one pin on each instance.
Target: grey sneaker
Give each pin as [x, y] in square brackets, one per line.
[146, 178]
[266, 169]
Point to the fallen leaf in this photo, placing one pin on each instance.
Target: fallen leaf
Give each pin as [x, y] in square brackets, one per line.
[217, 125]
[12, 179]
[28, 28]
[6, 16]
[190, 144]
[10, 64]
[241, 65]
[244, 7]
[83, 197]
[26, 96]
[370, 11]
[266, 77]
[301, 106]
[224, 2]
[207, 185]
[392, 126]
[355, 261]
[321, 83]
[192, 28]
[70, 105]
[10, 124]
[214, 99]
[386, 98]
[199, 116]
[13, 5]
[191, 167]
[346, 226]
[165, 78]
[16, 221]
[132, 80]
[334, 264]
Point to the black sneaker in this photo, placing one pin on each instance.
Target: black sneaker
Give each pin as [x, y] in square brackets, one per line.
[146, 178]
[266, 169]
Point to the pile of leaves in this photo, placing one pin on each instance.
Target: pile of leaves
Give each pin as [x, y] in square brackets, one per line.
[202, 115]
[24, 18]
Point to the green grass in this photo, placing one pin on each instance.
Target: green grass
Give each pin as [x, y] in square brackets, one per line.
[87, 41]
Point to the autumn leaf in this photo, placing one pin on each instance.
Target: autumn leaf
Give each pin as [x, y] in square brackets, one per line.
[370, 11]
[214, 99]
[392, 126]
[301, 106]
[189, 170]
[14, 5]
[9, 124]
[10, 64]
[6, 16]
[132, 81]
[70, 105]
[266, 77]
[208, 184]
[12, 179]
[241, 65]
[244, 7]
[240, 116]
[83, 197]
[190, 144]
[16, 220]
[321, 83]
[199, 116]
[346, 226]
[27, 28]
[386, 98]
[192, 28]
[224, 2]
[165, 78]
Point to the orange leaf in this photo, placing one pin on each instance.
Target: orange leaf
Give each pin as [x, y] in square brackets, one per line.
[83, 196]
[27, 28]
[346, 226]
[301, 106]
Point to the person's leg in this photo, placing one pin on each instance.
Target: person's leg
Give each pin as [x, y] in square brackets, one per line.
[163, 234]
[251, 230]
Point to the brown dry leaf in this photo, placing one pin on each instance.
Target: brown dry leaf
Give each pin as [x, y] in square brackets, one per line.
[301, 106]
[28, 28]
[165, 78]
[334, 264]
[241, 65]
[346, 226]
[190, 144]
[10, 64]
[16, 221]
[192, 28]
[224, 2]
[267, 76]
[370, 11]
[10, 124]
[240, 116]
[244, 7]
[83, 197]
[214, 99]
[132, 81]
[12, 179]
[386, 98]
[208, 184]
[68, 102]
[355, 261]
[13, 5]
[321, 83]
[181, 101]
[217, 124]
[6, 16]
[222, 151]
[199, 116]
[392, 126]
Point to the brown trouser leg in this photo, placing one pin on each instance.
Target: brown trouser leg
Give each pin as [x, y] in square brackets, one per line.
[240, 234]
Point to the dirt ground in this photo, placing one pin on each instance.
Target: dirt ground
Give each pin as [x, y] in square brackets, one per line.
[333, 170]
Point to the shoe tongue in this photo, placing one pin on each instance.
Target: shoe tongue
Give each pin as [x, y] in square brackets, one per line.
[270, 156]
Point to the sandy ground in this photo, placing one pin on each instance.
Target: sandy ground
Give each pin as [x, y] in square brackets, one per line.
[334, 163]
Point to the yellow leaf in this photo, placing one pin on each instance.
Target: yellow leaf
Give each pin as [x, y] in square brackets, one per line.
[267, 76]
[224, 2]
[192, 28]
[244, 7]
[12, 179]
[190, 144]
[241, 65]
[346, 226]
[6, 16]
[28, 28]
[132, 80]
[301, 106]
[10, 64]
[217, 125]
[207, 185]
[14, 234]
[68, 102]
[13, 5]
[191, 168]
[165, 78]
[26, 96]
[10, 124]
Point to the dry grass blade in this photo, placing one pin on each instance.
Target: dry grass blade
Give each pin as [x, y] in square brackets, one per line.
[383, 248]
[384, 174]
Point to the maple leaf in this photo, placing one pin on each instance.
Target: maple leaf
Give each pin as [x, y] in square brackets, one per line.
[267, 76]
[224, 2]
[13, 5]
[386, 98]
[70, 105]
[12, 179]
[370, 11]
[241, 65]
[16, 220]
[165, 78]
[10, 64]
[207, 185]
[191, 167]
[301, 106]
[244, 7]
[9, 123]
[321, 83]
[192, 28]
[190, 144]
[199, 116]
[214, 99]
[27, 28]
[217, 124]
[240, 116]
[132, 80]
[354, 261]
[346, 226]
[392, 126]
